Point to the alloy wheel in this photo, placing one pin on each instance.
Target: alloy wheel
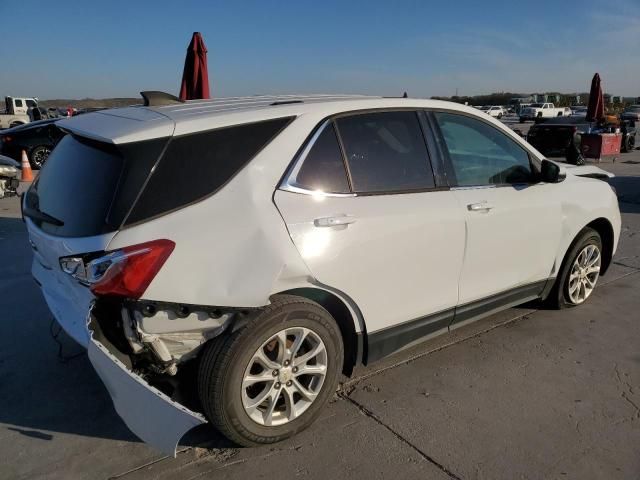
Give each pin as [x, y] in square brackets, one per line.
[284, 376]
[584, 274]
[39, 156]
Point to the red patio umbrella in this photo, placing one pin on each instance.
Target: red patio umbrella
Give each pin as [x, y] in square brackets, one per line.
[595, 110]
[195, 77]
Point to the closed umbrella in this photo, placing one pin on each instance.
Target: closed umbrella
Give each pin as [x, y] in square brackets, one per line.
[195, 77]
[595, 110]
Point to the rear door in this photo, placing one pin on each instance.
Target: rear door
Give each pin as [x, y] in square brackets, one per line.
[513, 221]
[363, 208]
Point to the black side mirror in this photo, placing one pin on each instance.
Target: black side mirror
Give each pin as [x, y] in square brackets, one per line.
[550, 172]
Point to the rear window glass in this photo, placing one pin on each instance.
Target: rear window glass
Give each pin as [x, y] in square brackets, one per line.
[90, 186]
[195, 166]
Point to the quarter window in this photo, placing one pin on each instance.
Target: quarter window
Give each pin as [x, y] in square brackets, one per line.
[386, 152]
[482, 155]
[323, 167]
[18, 103]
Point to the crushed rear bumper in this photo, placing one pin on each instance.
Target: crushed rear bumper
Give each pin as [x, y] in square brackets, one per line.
[149, 413]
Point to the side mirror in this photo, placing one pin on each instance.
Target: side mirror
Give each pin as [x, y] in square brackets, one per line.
[550, 172]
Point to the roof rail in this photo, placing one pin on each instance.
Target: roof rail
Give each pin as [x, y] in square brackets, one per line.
[285, 102]
[154, 98]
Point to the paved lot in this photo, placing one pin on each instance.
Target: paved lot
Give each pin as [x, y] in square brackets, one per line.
[524, 394]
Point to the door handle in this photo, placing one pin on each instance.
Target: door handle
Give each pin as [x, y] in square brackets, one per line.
[479, 207]
[334, 221]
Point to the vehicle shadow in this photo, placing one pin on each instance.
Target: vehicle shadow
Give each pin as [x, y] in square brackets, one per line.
[628, 191]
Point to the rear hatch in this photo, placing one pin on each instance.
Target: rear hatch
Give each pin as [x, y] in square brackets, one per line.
[75, 206]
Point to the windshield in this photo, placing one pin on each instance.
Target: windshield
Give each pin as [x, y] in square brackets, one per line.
[536, 105]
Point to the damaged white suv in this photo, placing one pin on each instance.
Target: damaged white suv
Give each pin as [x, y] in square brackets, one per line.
[228, 260]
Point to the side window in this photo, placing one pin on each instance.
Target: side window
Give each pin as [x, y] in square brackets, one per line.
[386, 152]
[31, 103]
[322, 168]
[482, 155]
[18, 103]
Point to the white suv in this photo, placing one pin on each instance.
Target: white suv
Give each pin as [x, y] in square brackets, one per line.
[270, 244]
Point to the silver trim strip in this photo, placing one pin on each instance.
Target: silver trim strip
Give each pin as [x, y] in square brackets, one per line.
[288, 184]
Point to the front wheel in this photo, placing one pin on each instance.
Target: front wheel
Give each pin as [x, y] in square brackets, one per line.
[270, 379]
[579, 272]
[629, 143]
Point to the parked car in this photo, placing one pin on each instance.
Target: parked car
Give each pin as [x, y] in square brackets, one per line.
[578, 110]
[37, 139]
[554, 135]
[16, 111]
[493, 111]
[541, 110]
[631, 113]
[9, 177]
[272, 243]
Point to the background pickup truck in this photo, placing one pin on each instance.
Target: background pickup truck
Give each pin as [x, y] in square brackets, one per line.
[16, 111]
[542, 110]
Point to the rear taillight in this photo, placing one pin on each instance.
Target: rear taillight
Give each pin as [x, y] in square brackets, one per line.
[126, 272]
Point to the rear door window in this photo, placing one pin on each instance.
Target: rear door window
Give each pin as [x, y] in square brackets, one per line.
[386, 152]
[322, 169]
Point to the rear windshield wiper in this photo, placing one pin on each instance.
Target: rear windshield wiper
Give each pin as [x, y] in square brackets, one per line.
[41, 216]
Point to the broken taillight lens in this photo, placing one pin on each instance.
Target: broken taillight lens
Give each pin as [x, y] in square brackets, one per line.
[126, 272]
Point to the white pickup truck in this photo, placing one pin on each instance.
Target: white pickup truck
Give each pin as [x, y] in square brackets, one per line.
[16, 111]
[542, 110]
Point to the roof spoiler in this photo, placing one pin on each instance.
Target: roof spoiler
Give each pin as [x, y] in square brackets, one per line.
[155, 98]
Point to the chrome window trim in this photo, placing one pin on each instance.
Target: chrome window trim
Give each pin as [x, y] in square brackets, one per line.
[289, 184]
[287, 187]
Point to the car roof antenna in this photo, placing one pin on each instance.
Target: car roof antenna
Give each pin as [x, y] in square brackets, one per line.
[404, 95]
[156, 99]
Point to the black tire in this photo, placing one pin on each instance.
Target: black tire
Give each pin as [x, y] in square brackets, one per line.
[15, 124]
[38, 156]
[522, 120]
[499, 116]
[559, 296]
[224, 360]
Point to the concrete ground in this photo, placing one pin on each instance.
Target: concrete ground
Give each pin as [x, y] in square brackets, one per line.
[525, 394]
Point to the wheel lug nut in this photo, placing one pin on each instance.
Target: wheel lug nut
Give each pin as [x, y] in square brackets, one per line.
[286, 363]
[277, 384]
[275, 373]
[294, 369]
[289, 383]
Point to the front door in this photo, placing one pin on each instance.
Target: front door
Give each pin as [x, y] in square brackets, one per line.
[513, 221]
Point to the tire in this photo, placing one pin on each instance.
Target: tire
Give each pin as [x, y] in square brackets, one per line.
[522, 120]
[629, 143]
[230, 360]
[15, 124]
[560, 296]
[499, 116]
[38, 156]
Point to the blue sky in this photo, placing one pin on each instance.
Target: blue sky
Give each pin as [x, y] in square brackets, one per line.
[76, 49]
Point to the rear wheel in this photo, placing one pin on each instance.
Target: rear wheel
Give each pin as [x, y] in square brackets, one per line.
[270, 379]
[15, 124]
[579, 272]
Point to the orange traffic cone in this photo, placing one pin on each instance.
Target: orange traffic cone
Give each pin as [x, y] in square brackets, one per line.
[27, 174]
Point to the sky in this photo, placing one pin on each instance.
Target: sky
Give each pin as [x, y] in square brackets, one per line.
[100, 49]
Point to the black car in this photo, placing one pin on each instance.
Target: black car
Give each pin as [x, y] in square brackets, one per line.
[555, 135]
[35, 138]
